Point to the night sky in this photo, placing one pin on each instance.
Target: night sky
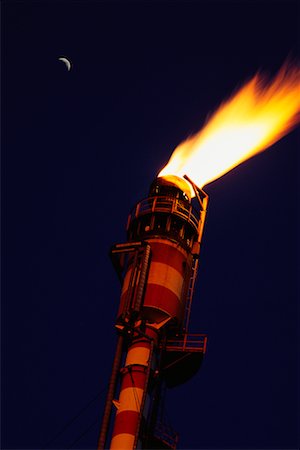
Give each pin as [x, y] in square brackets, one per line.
[80, 148]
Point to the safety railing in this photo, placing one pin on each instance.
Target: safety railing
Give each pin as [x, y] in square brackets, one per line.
[167, 205]
[166, 435]
[188, 342]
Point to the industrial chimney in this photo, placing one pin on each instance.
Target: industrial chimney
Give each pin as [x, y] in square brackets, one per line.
[157, 267]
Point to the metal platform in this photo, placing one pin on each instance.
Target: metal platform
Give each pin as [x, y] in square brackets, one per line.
[182, 358]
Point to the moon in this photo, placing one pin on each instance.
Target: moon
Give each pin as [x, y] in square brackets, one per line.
[66, 61]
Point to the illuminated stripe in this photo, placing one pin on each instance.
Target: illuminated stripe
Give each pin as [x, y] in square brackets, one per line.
[122, 441]
[167, 254]
[143, 341]
[130, 399]
[138, 355]
[167, 268]
[165, 275]
[162, 274]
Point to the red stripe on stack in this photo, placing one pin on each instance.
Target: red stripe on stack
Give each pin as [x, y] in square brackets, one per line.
[126, 422]
[163, 291]
[163, 299]
[134, 378]
[167, 254]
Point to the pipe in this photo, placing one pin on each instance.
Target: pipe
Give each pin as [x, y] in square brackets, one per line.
[133, 390]
[144, 395]
[110, 393]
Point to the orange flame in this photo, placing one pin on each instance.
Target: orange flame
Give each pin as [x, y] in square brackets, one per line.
[259, 114]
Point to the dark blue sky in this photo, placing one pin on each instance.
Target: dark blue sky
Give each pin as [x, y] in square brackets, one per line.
[80, 148]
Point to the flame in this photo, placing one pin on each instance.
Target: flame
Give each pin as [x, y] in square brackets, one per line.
[251, 120]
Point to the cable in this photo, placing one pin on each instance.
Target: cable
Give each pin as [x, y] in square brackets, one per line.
[135, 394]
[74, 418]
[83, 434]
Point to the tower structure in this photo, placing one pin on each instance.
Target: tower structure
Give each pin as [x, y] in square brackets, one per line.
[157, 267]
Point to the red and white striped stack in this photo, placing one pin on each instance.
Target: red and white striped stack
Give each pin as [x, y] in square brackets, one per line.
[132, 404]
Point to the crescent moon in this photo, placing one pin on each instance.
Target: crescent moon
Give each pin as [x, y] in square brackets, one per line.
[66, 61]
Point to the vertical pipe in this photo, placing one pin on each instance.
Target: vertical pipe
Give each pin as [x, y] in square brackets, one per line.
[135, 375]
[144, 395]
[110, 393]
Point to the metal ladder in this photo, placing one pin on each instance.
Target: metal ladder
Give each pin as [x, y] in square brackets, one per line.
[190, 293]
